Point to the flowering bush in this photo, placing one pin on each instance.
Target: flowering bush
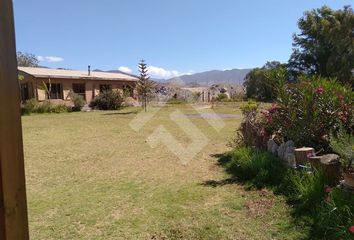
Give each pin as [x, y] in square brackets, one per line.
[308, 111]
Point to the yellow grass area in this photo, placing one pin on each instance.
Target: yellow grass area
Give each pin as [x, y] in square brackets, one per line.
[91, 176]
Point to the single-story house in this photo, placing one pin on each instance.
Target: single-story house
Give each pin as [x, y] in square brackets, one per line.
[47, 83]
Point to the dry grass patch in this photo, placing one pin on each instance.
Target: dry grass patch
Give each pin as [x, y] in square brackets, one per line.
[90, 176]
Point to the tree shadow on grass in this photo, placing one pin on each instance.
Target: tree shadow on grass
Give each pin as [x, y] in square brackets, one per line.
[121, 113]
[222, 160]
[219, 183]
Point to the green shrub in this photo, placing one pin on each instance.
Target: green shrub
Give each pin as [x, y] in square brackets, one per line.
[262, 169]
[335, 216]
[78, 102]
[308, 111]
[256, 167]
[29, 106]
[33, 106]
[328, 211]
[107, 100]
[58, 108]
[222, 97]
[343, 144]
[250, 106]
[43, 107]
[303, 189]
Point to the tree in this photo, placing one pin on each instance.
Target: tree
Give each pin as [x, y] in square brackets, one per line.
[27, 60]
[259, 85]
[325, 45]
[145, 86]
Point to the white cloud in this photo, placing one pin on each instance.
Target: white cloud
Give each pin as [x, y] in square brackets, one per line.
[159, 72]
[50, 59]
[40, 58]
[188, 73]
[125, 69]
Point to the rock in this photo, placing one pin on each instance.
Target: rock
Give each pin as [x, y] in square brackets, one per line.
[275, 149]
[290, 160]
[281, 151]
[285, 149]
[290, 143]
[271, 146]
[289, 150]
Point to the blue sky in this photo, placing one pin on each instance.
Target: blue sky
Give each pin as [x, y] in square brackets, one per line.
[173, 36]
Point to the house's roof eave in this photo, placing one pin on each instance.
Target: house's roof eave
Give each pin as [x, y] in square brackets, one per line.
[74, 74]
[84, 78]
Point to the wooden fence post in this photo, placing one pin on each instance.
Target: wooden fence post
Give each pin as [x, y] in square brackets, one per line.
[13, 208]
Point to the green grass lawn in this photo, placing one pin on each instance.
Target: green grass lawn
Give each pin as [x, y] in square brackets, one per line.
[90, 176]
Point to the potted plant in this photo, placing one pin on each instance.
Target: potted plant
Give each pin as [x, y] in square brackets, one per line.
[343, 144]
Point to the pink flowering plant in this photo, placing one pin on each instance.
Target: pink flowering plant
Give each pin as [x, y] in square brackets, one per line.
[308, 111]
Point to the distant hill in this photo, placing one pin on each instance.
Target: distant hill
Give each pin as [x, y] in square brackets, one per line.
[234, 76]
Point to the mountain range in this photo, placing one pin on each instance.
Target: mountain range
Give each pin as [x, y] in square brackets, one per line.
[208, 78]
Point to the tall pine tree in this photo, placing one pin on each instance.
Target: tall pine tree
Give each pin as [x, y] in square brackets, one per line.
[145, 86]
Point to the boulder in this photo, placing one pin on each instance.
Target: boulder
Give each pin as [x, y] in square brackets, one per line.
[275, 148]
[290, 143]
[290, 160]
[285, 149]
[272, 146]
[281, 151]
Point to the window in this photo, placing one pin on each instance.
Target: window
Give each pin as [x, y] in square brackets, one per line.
[105, 87]
[80, 89]
[55, 90]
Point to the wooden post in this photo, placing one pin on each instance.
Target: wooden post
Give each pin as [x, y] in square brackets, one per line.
[302, 155]
[13, 208]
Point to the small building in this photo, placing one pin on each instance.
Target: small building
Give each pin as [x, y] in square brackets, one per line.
[46, 83]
